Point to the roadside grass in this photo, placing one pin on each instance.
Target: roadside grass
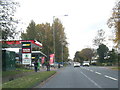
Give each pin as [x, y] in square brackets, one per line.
[28, 81]
[116, 68]
[14, 72]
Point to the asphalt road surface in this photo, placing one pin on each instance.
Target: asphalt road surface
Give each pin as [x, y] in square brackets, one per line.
[83, 77]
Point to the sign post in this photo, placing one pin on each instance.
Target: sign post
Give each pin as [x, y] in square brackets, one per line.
[26, 53]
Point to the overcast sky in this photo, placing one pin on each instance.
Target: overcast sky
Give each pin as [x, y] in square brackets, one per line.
[84, 18]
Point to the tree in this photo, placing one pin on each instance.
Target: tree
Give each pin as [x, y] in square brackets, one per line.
[84, 55]
[44, 34]
[113, 57]
[87, 54]
[30, 32]
[114, 21]
[102, 52]
[65, 53]
[7, 20]
[77, 57]
[100, 38]
[59, 38]
[47, 39]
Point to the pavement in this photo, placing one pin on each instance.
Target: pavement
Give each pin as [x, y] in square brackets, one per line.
[45, 69]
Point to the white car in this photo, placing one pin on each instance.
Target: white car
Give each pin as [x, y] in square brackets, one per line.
[52, 65]
[86, 64]
[61, 65]
[76, 64]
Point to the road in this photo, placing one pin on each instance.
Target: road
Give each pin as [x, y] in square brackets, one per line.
[83, 77]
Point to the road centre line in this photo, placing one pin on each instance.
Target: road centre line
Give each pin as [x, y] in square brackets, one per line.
[91, 70]
[98, 73]
[91, 80]
[110, 77]
[104, 75]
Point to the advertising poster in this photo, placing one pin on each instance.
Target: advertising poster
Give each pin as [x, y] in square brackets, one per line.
[51, 58]
[43, 60]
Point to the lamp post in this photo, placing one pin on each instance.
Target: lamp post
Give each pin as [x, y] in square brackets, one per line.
[63, 43]
[54, 37]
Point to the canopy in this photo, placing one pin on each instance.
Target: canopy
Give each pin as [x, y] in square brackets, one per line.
[18, 43]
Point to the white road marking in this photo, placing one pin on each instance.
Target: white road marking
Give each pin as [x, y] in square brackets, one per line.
[110, 77]
[91, 80]
[91, 70]
[98, 73]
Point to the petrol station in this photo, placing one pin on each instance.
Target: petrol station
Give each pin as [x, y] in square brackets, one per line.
[26, 55]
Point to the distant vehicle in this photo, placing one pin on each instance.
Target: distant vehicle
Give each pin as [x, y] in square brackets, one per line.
[86, 64]
[76, 64]
[69, 63]
[32, 65]
[52, 65]
[61, 65]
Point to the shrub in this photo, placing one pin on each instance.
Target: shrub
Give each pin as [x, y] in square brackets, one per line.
[19, 65]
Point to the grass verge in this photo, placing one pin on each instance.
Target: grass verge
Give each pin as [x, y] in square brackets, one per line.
[29, 80]
[17, 71]
[115, 68]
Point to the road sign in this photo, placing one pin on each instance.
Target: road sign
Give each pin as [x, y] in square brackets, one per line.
[26, 58]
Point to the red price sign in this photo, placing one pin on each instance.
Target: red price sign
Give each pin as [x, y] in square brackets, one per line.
[26, 50]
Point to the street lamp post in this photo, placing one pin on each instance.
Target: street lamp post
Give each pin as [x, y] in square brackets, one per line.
[62, 50]
[54, 38]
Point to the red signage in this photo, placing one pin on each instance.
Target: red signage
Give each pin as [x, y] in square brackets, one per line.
[26, 50]
[52, 58]
[20, 41]
[43, 60]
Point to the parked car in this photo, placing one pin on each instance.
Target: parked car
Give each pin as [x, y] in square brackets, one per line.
[76, 64]
[86, 64]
